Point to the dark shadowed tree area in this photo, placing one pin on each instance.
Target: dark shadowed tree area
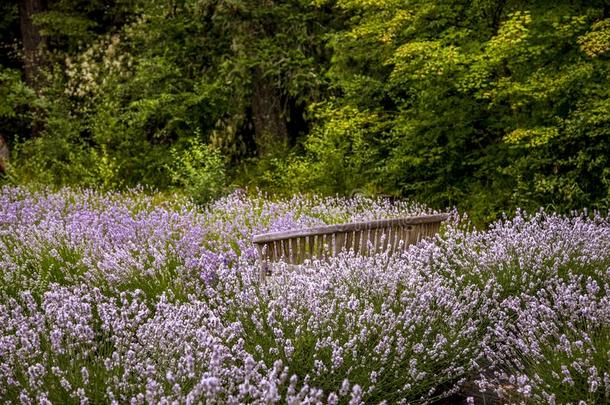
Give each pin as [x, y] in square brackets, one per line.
[487, 105]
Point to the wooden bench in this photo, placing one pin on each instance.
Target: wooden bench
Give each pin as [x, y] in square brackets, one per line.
[366, 238]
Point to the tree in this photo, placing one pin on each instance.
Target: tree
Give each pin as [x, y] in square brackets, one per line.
[34, 43]
[483, 103]
[275, 61]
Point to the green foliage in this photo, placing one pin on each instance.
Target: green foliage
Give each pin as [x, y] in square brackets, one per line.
[337, 154]
[14, 94]
[15, 100]
[200, 170]
[485, 105]
[46, 161]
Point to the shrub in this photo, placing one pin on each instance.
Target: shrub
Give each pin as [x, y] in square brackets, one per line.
[200, 170]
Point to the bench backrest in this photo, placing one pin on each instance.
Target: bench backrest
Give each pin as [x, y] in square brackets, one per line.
[364, 238]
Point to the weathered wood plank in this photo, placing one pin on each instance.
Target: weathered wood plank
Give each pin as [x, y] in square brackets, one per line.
[353, 226]
[349, 240]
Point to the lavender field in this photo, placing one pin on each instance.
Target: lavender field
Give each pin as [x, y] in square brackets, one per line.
[138, 298]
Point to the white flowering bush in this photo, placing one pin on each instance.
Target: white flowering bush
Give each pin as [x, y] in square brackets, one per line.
[129, 297]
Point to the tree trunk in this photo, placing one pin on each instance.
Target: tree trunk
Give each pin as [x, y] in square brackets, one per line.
[34, 43]
[270, 130]
[4, 154]
[34, 48]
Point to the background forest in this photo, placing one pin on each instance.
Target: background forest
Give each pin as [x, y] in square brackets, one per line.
[488, 105]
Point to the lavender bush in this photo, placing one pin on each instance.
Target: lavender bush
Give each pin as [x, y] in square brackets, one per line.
[129, 297]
